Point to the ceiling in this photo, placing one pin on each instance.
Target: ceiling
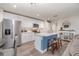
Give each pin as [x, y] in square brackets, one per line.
[43, 11]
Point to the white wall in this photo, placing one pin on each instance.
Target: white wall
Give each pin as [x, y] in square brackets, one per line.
[47, 27]
[28, 23]
[54, 27]
[1, 18]
[74, 21]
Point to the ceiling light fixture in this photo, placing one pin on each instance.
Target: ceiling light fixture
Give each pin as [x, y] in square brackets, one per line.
[14, 6]
[34, 4]
[37, 14]
[48, 19]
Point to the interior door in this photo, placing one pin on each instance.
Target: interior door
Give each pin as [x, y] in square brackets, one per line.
[18, 32]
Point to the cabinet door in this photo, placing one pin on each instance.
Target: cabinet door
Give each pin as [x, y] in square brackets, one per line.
[27, 36]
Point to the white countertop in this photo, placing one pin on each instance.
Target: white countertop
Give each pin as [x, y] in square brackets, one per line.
[45, 34]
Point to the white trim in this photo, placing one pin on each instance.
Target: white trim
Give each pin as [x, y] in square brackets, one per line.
[42, 51]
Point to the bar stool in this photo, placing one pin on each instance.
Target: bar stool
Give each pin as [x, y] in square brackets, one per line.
[54, 46]
[59, 43]
[49, 44]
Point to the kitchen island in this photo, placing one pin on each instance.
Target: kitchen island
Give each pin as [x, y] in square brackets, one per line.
[42, 39]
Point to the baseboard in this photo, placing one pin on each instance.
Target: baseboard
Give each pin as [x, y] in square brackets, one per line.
[27, 42]
[41, 51]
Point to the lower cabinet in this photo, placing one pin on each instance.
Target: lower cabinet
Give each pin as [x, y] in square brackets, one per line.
[27, 37]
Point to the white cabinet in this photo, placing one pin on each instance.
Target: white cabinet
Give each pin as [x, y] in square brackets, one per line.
[67, 34]
[27, 36]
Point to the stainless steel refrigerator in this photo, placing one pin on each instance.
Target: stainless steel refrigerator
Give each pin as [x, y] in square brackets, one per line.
[11, 29]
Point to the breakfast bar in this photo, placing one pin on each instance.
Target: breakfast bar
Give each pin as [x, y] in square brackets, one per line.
[42, 39]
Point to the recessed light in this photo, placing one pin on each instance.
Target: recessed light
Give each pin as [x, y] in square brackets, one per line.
[48, 18]
[14, 6]
[37, 14]
[33, 3]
